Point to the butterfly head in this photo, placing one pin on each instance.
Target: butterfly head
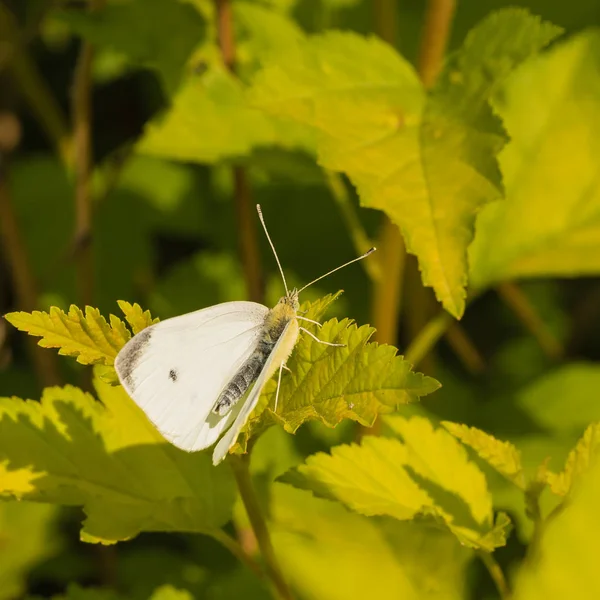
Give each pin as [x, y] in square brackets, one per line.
[291, 300]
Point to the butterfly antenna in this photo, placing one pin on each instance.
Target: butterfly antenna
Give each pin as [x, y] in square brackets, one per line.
[262, 220]
[340, 267]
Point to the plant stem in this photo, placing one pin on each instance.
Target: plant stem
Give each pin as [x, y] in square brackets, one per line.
[496, 573]
[465, 349]
[428, 337]
[248, 242]
[514, 297]
[33, 87]
[359, 236]
[82, 159]
[236, 549]
[240, 465]
[246, 217]
[436, 31]
[81, 109]
[387, 290]
[21, 272]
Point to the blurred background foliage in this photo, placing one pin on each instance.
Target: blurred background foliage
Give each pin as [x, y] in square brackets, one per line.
[164, 233]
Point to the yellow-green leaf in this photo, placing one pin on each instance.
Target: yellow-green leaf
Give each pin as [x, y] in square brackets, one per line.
[357, 381]
[108, 458]
[137, 318]
[87, 337]
[566, 564]
[564, 400]
[503, 456]
[549, 224]
[168, 592]
[578, 462]
[427, 161]
[210, 120]
[329, 553]
[425, 472]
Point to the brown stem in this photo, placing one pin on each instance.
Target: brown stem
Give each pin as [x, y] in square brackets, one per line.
[239, 552]
[244, 210]
[240, 466]
[82, 138]
[465, 349]
[32, 86]
[23, 280]
[248, 242]
[387, 291]
[514, 297]
[436, 31]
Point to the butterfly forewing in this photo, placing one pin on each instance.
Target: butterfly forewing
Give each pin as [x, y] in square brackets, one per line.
[175, 370]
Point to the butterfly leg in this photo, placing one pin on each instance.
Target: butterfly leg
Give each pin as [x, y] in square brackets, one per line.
[314, 337]
[309, 320]
[278, 386]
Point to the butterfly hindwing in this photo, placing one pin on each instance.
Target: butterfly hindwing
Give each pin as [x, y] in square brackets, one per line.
[280, 354]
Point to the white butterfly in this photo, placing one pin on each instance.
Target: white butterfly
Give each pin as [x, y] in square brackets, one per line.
[189, 373]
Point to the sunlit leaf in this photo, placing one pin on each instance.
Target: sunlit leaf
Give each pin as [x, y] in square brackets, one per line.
[566, 563]
[503, 456]
[210, 120]
[107, 457]
[578, 462]
[136, 317]
[328, 553]
[357, 381]
[549, 224]
[87, 337]
[427, 472]
[427, 161]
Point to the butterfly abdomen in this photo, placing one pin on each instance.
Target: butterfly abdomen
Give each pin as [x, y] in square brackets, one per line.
[244, 378]
[275, 325]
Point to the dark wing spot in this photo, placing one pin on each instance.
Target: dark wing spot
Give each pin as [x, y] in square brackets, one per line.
[127, 360]
[173, 375]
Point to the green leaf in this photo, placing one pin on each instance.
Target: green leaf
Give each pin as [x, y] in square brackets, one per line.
[168, 592]
[136, 29]
[27, 537]
[549, 224]
[109, 459]
[137, 318]
[428, 162]
[210, 120]
[564, 400]
[89, 338]
[578, 462]
[566, 563]
[503, 456]
[265, 32]
[358, 381]
[328, 553]
[425, 473]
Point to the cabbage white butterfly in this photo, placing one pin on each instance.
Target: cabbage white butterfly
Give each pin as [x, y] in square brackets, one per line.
[201, 374]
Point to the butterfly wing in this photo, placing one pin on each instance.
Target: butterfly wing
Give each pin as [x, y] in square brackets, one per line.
[175, 370]
[280, 353]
